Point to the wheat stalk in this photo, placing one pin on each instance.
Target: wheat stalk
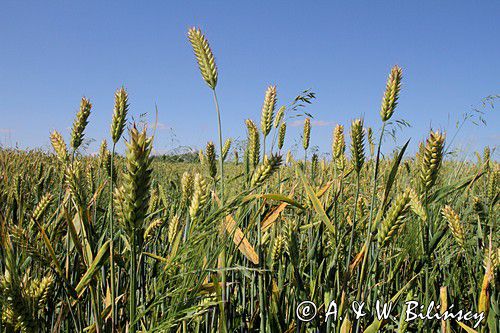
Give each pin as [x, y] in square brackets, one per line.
[132, 200]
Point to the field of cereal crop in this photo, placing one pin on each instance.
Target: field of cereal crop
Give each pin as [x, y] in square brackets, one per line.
[239, 240]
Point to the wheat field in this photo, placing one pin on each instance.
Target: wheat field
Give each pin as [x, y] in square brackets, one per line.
[237, 240]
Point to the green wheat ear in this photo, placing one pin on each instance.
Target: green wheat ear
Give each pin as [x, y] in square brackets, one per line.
[281, 135]
[59, 146]
[456, 228]
[253, 143]
[265, 170]
[236, 157]
[357, 145]
[394, 218]
[200, 197]
[338, 146]
[391, 95]
[307, 133]
[431, 158]
[172, 228]
[80, 123]
[267, 114]
[42, 206]
[73, 178]
[204, 56]
[132, 197]
[211, 159]
[226, 147]
[187, 186]
[119, 114]
[279, 116]
[103, 151]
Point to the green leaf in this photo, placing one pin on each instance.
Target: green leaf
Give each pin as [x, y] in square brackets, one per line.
[448, 189]
[94, 267]
[318, 207]
[390, 181]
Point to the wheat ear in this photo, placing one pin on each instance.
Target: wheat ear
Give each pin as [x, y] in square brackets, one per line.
[210, 159]
[80, 123]
[281, 135]
[391, 95]
[456, 228]
[357, 145]
[394, 218]
[204, 56]
[253, 143]
[119, 114]
[59, 146]
[267, 114]
[431, 158]
[306, 135]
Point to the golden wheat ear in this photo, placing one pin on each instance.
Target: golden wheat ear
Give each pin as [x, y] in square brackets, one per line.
[204, 56]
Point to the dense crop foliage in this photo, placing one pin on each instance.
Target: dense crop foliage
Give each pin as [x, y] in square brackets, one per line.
[237, 240]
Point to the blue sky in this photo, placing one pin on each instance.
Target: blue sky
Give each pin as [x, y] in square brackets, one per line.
[55, 52]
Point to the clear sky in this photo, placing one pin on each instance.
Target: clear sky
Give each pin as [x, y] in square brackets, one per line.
[54, 52]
